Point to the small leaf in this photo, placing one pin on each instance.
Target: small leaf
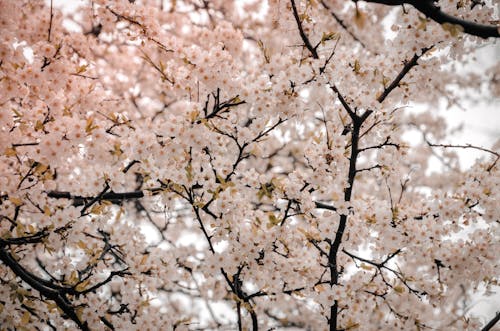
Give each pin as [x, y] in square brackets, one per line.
[119, 214]
[97, 208]
[360, 18]
[83, 285]
[18, 114]
[117, 149]
[79, 312]
[186, 61]
[385, 81]
[453, 29]
[81, 244]
[319, 288]
[39, 125]
[193, 115]
[329, 36]
[26, 318]
[31, 229]
[422, 25]
[11, 151]
[366, 267]
[73, 277]
[189, 172]
[40, 168]
[351, 325]
[273, 220]
[371, 219]
[51, 305]
[67, 111]
[357, 67]
[81, 69]
[399, 289]
[16, 201]
[89, 127]
[304, 17]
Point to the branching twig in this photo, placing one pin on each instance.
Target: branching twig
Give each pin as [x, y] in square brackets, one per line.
[342, 24]
[466, 146]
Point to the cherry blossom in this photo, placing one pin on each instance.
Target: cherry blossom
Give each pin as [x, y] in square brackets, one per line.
[220, 165]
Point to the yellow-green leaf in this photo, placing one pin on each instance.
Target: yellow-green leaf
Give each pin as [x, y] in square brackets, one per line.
[39, 125]
[453, 29]
[357, 67]
[399, 289]
[11, 151]
[360, 18]
[329, 36]
[26, 318]
[366, 267]
[83, 285]
[89, 127]
[16, 201]
[117, 149]
[40, 168]
[81, 244]
[81, 69]
[273, 220]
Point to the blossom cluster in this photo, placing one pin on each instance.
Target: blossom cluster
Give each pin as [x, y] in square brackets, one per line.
[222, 165]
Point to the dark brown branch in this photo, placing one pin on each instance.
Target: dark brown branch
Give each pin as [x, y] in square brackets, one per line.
[433, 11]
[375, 264]
[50, 21]
[31, 239]
[343, 101]
[113, 197]
[219, 107]
[303, 35]
[95, 199]
[376, 166]
[385, 143]
[357, 122]
[46, 289]
[491, 323]
[25, 144]
[321, 205]
[407, 67]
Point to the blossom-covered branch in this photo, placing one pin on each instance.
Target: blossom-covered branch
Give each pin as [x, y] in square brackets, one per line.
[430, 9]
[242, 165]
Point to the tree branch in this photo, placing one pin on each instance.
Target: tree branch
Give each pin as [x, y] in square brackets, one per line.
[303, 35]
[109, 196]
[407, 67]
[491, 323]
[479, 148]
[432, 11]
[54, 293]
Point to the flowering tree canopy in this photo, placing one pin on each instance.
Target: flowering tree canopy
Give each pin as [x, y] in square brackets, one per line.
[243, 165]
